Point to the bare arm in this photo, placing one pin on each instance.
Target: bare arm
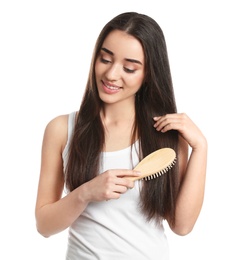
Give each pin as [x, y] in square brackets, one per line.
[55, 213]
[192, 170]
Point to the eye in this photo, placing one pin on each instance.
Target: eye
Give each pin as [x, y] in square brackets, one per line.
[105, 61]
[129, 70]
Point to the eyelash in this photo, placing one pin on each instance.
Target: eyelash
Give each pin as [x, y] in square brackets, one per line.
[129, 71]
[125, 69]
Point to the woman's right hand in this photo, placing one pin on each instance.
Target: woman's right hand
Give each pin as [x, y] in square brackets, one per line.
[109, 185]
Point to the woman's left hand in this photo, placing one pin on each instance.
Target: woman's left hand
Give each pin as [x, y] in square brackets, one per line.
[183, 124]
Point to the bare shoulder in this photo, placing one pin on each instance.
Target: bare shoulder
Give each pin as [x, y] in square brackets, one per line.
[56, 131]
[58, 123]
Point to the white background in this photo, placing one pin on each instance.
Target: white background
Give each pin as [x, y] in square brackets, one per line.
[45, 51]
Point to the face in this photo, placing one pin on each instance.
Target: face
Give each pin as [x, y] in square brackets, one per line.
[119, 68]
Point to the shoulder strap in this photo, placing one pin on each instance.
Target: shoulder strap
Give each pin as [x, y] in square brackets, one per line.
[71, 124]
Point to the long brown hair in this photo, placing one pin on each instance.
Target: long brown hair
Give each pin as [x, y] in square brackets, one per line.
[154, 98]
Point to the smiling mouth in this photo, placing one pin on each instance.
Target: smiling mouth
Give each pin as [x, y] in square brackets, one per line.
[111, 87]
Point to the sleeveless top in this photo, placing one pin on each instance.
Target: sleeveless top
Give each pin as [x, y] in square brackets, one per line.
[115, 229]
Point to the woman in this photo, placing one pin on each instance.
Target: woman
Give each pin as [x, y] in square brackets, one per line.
[128, 111]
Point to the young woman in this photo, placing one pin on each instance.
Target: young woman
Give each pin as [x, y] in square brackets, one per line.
[127, 112]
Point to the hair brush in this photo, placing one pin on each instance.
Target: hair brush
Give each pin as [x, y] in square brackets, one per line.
[155, 164]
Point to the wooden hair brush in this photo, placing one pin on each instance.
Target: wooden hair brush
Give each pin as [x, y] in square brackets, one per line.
[155, 164]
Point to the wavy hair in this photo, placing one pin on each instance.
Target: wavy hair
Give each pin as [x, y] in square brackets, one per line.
[154, 98]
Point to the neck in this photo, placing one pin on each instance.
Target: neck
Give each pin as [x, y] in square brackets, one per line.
[117, 113]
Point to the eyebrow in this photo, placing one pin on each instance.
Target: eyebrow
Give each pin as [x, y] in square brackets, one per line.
[127, 59]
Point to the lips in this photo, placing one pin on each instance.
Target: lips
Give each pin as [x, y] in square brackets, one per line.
[110, 88]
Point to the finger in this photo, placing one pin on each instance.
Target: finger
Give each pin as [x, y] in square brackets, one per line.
[124, 172]
[156, 118]
[120, 189]
[116, 190]
[161, 119]
[170, 126]
[166, 122]
[112, 195]
[125, 182]
[116, 177]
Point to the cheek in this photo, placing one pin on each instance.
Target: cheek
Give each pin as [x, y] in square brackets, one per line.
[97, 68]
[137, 81]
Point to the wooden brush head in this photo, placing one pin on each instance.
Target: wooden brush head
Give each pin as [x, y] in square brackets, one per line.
[155, 164]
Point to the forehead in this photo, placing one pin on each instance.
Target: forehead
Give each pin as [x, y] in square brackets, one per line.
[122, 44]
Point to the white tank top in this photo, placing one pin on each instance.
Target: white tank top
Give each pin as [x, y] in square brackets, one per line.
[115, 229]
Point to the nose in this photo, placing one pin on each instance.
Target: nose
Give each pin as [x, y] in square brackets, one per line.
[113, 73]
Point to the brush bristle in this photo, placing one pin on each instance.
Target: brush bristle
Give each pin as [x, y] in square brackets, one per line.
[161, 172]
